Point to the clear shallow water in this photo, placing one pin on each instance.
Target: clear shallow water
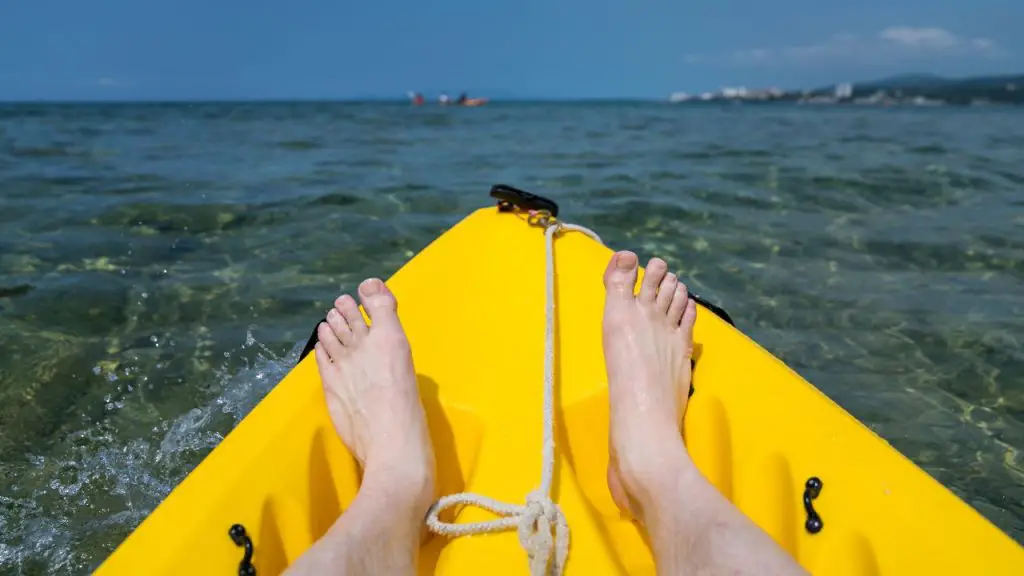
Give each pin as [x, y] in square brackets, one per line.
[159, 265]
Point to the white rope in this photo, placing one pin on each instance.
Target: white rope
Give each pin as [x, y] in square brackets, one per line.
[540, 523]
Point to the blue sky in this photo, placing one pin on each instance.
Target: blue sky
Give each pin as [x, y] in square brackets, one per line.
[227, 49]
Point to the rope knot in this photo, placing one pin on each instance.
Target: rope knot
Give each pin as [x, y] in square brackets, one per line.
[543, 530]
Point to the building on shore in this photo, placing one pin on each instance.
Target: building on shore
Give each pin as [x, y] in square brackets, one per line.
[844, 91]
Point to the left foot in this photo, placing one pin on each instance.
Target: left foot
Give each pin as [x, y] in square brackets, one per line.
[372, 396]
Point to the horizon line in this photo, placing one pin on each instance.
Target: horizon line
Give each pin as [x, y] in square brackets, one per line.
[326, 100]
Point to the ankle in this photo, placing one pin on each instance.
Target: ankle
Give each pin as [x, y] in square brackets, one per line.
[406, 486]
[653, 475]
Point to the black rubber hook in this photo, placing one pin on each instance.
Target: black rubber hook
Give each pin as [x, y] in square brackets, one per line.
[811, 491]
[241, 539]
[511, 198]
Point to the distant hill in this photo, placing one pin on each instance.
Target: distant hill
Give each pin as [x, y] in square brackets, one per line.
[901, 80]
[917, 89]
[1004, 88]
[922, 81]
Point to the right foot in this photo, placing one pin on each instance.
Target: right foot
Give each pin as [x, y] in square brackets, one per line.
[648, 343]
[372, 397]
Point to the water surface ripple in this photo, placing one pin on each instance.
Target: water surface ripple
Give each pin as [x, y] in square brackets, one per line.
[159, 264]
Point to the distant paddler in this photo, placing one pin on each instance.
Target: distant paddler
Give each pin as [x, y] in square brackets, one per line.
[465, 100]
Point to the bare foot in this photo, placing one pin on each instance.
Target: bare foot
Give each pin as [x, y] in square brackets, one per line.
[370, 385]
[648, 343]
[372, 397]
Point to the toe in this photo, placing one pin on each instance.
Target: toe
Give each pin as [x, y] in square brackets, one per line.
[379, 302]
[340, 327]
[350, 314]
[620, 276]
[678, 305]
[323, 359]
[666, 292]
[329, 341]
[653, 275]
[689, 317]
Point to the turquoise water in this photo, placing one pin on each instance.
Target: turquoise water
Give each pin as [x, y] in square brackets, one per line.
[161, 264]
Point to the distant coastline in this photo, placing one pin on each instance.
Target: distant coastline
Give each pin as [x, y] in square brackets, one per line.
[907, 90]
[903, 90]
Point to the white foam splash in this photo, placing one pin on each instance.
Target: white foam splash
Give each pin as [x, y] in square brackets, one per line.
[107, 485]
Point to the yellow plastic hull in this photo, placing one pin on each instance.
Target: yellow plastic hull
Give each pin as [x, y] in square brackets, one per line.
[473, 305]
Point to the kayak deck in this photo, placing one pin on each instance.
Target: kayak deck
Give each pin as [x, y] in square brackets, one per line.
[472, 304]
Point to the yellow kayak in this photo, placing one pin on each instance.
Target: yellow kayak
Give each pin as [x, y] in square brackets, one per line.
[824, 486]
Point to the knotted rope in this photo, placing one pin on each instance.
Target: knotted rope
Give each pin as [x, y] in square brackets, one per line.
[542, 528]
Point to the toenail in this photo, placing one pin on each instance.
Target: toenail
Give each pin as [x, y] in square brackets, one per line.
[371, 286]
[332, 314]
[625, 260]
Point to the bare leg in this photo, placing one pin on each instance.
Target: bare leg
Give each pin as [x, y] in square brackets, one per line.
[648, 343]
[370, 384]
